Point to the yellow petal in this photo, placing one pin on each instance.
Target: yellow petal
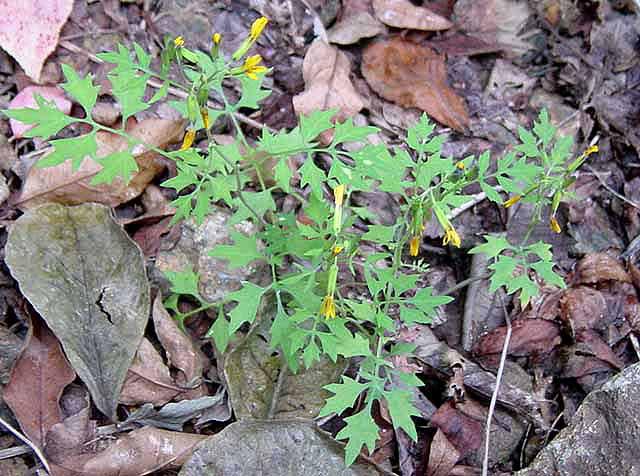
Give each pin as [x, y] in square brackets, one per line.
[178, 42]
[512, 201]
[188, 139]
[257, 27]
[554, 225]
[217, 37]
[328, 307]
[338, 195]
[414, 245]
[460, 165]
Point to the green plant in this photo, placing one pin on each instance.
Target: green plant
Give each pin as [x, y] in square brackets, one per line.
[309, 258]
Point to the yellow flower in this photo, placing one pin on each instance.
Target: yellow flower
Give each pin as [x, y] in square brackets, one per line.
[460, 165]
[591, 150]
[252, 66]
[328, 307]
[216, 38]
[188, 139]
[554, 225]
[451, 236]
[512, 201]
[257, 27]
[338, 195]
[337, 249]
[414, 245]
[178, 42]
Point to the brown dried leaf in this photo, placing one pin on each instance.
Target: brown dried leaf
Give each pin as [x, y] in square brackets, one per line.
[528, 336]
[414, 76]
[36, 384]
[598, 267]
[462, 431]
[355, 22]
[326, 73]
[443, 456]
[181, 353]
[65, 440]
[148, 379]
[29, 30]
[61, 184]
[403, 14]
[584, 308]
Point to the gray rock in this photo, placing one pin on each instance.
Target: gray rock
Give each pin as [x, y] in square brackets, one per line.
[603, 437]
[191, 251]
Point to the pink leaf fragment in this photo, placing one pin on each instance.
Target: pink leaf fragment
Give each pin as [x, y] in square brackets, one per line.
[26, 98]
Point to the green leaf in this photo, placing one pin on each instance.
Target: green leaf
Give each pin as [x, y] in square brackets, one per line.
[311, 353]
[493, 247]
[410, 315]
[81, 89]
[184, 282]
[314, 124]
[543, 128]
[119, 164]
[248, 299]
[260, 202]
[427, 302]
[401, 410]
[347, 132]
[525, 285]
[360, 430]
[528, 146]
[312, 176]
[483, 163]
[49, 120]
[418, 134]
[252, 93]
[243, 251]
[546, 272]
[219, 331]
[503, 270]
[73, 148]
[345, 395]
[283, 175]
[491, 193]
[122, 60]
[379, 234]
[129, 88]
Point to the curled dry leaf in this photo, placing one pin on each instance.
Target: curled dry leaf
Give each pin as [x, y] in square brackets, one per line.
[61, 184]
[404, 14]
[599, 267]
[356, 22]
[38, 378]
[326, 75]
[443, 456]
[464, 432]
[583, 308]
[25, 98]
[87, 279]
[529, 336]
[29, 30]
[414, 76]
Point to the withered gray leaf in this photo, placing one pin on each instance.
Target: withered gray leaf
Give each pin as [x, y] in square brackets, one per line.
[256, 448]
[87, 279]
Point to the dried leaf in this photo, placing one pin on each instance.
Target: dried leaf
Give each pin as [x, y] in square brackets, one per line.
[10, 347]
[256, 448]
[61, 184]
[29, 30]
[36, 384]
[148, 379]
[251, 372]
[403, 14]
[584, 308]
[414, 76]
[352, 28]
[464, 433]
[443, 456]
[65, 441]
[326, 75]
[26, 98]
[181, 352]
[528, 336]
[598, 267]
[87, 279]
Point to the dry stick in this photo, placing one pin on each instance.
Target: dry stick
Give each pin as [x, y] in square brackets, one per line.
[494, 397]
[14, 451]
[174, 91]
[26, 441]
[612, 191]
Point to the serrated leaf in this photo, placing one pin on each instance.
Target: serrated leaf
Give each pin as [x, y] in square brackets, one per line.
[491, 193]
[283, 175]
[252, 93]
[483, 163]
[243, 251]
[119, 164]
[525, 285]
[379, 234]
[219, 331]
[543, 128]
[503, 270]
[314, 124]
[345, 395]
[248, 299]
[427, 302]
[184, 282]
[73, 148]
[546, 272]
[493, 246]
[260, 202]
[129, 89]
[312, 176]
[81, 89]
[360, 430]
[48, 119]
[347, 132]
[401, 410]
[528, 145]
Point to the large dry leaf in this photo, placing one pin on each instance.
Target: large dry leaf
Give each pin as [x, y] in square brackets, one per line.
[36, 384]
[356, 22]
[258, 448]
[61, 184]
[148, 379]
[326, 75]
[87, 279]
[443, 456]
[404, 14]
[252, 373]
[529, 336]
[29, 30]
[600, 267]
[414, 76]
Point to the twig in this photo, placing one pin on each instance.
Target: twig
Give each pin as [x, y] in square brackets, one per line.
[475, 199]
[14, 451]
[494, 397]
[27, 442]
[613, 192]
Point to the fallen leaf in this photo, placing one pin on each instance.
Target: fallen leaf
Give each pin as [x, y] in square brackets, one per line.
[87, 279]
[143, 451]
[404, 14]
[61, 184]
[255, 448]
[173, 416]
[443, 456]
[464, 433]
[26, 98]
[29, 30]
[529, 336]
[65, 440]
[355, 22]
[148, 379]
[599, 267]
[10, 347]
[326, 73]
[583, 308]
[414, 76]
[251, 372]
[149, 237]
[38, 378]
[182, 354]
